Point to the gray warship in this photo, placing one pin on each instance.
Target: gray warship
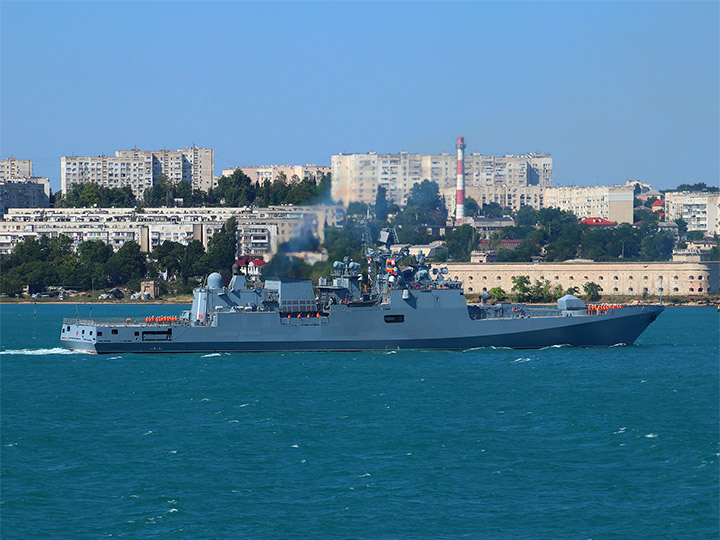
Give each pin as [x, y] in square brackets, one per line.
[392, 307]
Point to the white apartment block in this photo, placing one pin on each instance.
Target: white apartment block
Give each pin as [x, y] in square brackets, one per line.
[271, 172]
[139, 169]
[700, 210]
[260, 230]
[356, 177]
[614, 203]
[12, 169]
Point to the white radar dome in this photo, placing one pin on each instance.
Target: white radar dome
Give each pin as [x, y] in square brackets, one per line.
[215, 281]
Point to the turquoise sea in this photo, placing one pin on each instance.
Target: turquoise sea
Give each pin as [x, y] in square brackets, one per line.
[617, 443]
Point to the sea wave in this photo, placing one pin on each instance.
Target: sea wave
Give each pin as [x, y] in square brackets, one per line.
[41, 352]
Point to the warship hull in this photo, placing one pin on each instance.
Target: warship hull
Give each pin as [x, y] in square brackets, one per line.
[381, 328]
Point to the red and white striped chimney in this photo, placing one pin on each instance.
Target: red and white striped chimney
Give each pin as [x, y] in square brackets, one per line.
[460, 186]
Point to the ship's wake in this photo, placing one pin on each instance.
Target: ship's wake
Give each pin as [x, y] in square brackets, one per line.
[40, 352]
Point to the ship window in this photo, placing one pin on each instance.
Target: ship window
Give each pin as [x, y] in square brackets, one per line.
[83, 331]
[137, 333]
[91, 332]
[114, 331]
[68, 328]
[394, 318]
[99, 333]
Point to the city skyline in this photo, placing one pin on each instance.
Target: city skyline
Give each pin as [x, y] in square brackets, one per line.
[613, 91]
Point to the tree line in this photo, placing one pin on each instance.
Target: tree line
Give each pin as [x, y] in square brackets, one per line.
[51, 261]
[235, 190]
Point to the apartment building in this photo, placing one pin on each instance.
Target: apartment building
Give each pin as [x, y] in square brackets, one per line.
[356, 177]
[271, 172]
[28, 194]
[614, 203]
[12, 169]
[260, 230]
[139, 169]
[700, 210]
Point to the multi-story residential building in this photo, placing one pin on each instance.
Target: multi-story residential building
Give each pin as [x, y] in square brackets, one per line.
[12, 169]
[28, 194]
[700, 210]
[139, 169]
[271, 172]
[260, 230]
[356, 177]
[614, 203]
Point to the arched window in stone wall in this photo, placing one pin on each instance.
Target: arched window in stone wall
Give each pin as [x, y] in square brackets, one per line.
[615, 278]
[675, 289]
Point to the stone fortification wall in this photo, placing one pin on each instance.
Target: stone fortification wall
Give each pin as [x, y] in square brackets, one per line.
[625, 278]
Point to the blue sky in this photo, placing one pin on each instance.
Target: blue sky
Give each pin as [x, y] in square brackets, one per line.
[612, 90]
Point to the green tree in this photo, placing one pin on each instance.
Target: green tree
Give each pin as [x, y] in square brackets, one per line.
[169, 257]
[497, 294]
[592, 291]
[461, 242]
[222, 248]
[471, 206]
[521, 287]
[526, 216]
[127, 263]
